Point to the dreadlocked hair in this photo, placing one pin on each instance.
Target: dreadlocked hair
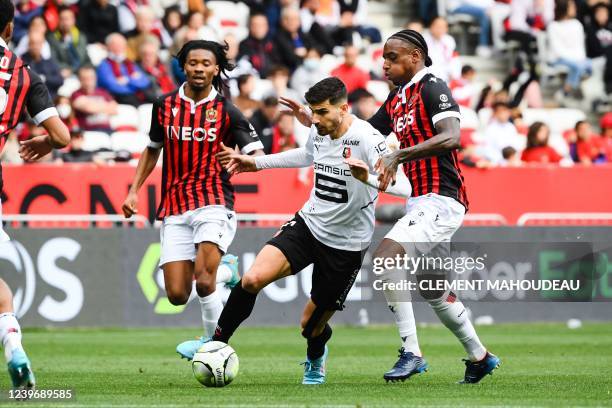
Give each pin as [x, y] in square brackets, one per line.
[220, 52]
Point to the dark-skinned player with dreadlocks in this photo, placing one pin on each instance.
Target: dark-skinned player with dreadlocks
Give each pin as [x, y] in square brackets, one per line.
[425, 118]
[194, 125]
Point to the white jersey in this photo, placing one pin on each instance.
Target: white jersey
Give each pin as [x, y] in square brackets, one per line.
[340, 210]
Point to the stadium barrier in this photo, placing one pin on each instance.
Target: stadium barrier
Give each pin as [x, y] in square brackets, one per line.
[110, 277]
[506, 192]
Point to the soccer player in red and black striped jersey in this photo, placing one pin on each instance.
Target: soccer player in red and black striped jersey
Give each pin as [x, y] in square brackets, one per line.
[423, 114]
[21, 88]
[194, 125]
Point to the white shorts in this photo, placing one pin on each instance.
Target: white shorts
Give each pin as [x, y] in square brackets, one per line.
[3, 236]
[180, 234]
[430, 218]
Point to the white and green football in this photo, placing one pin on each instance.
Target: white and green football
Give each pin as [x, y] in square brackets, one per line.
[215, 364]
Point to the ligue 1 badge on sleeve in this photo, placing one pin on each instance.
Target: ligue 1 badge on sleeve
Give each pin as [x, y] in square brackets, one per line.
[346, 153]
[211, 115]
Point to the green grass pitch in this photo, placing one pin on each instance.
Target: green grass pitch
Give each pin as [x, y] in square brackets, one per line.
[542, 365]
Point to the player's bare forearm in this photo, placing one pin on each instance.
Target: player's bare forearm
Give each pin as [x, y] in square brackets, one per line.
[146, 164]
[59, 136]
[446, 140]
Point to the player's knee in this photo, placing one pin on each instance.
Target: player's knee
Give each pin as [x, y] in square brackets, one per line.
[252, 283]
[205, 287]
[177, 298]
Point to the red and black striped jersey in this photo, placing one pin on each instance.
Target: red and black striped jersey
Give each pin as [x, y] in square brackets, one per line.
[20, 88]
[191, 134]
[411, 112]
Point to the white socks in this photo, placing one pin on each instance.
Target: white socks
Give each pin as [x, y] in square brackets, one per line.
[224, 273]
[454, 316]
[404, 318]
[400, 305]
[211, 307]
[10, 334]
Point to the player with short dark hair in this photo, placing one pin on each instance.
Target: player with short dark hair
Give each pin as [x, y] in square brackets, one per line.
[423, 114]
[332, 229]
[192, 125]
[21, 89]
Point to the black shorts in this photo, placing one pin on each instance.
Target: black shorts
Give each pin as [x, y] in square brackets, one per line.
[334, 271]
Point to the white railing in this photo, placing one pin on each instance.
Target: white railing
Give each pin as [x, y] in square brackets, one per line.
[73, 220]
[485, 219]
[547, 218]
[274, 220]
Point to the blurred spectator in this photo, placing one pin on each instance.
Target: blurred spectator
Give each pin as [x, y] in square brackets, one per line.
[25, 11]
[258, 48]
[346, 31]
[416, 26]
[353, 77]
[510, 157]
[538, 150]
[68, 44]
[122, 77]
[172, 21]
[527, 19]
[442, 51]
[241, 66]
[93, 106]
[75, 153]
[98, 19]
[244, 102]
[37, 25]
[501, 133]
[197, 28]
[606, 135]
[364, 104]
[279, 77]
[428, 10]
[463, 89]
[145, 27]
[291, 42]
[282, 133]
[65, 112]
[357, 10]
[263, 121]
[599, 31]
[479, 9]
[567, 46]
[310, 25]
[46, 68]
[308, 74]
[586, 149]
[148, 59]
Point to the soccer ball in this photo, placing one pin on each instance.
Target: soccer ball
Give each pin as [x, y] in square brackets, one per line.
[215, 364]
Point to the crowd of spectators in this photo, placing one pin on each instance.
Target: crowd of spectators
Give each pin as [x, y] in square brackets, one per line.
[108, 60]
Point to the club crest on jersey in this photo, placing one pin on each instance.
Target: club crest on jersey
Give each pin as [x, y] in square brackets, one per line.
[211, 115]
[346, 153]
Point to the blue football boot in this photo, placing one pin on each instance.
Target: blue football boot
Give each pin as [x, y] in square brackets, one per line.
[314, 371]
[406, 366]
[475, 371]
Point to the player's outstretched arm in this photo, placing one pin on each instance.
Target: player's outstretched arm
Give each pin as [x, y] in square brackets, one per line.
[146, 164]
[38, 147]
[241, 163]
[446, 140]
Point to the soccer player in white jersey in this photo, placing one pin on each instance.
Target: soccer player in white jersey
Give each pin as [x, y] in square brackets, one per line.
[332, 229]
